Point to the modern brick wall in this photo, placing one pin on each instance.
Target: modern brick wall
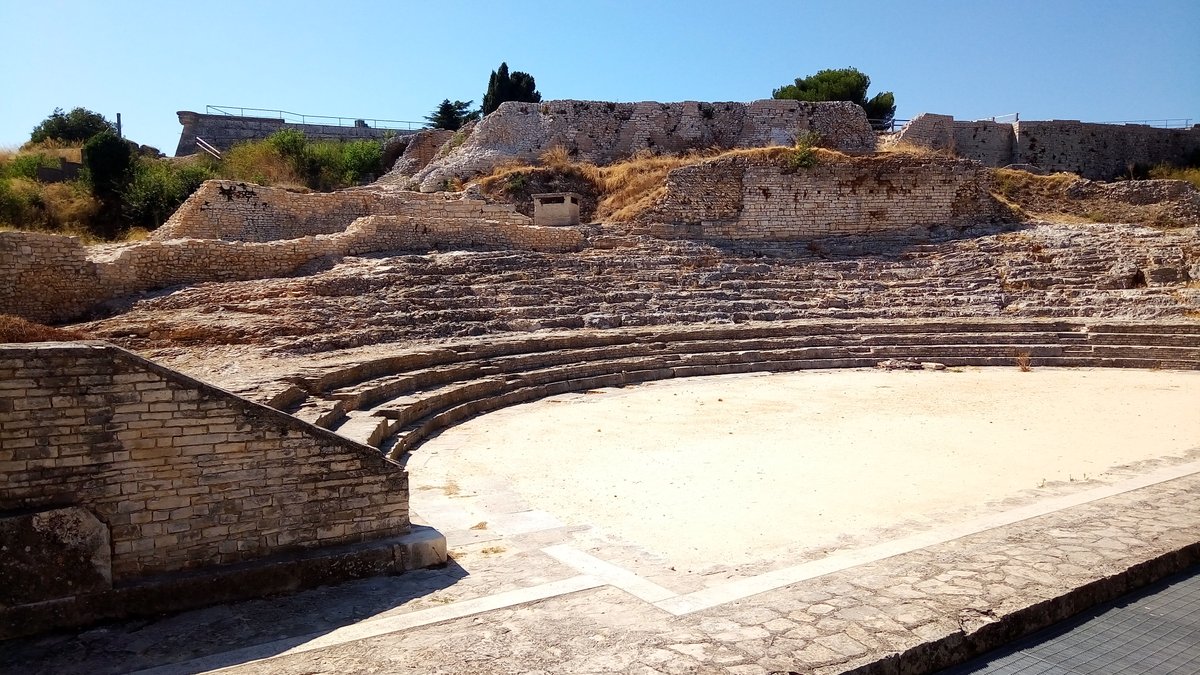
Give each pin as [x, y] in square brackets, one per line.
[184, 475]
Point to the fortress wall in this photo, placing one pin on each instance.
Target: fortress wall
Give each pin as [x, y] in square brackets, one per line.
[1094, 151]
[759, 198]
[601, 132]
[990, 143]
[182, 474]
[1101, 151]
[224, 131]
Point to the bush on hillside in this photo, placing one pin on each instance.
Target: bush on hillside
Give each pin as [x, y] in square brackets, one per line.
[76, 126]
[157, 189]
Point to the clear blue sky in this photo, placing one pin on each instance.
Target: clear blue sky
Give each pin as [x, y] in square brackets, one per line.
[1099, 60]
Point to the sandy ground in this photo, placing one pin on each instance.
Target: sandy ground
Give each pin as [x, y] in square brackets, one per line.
[735, 469]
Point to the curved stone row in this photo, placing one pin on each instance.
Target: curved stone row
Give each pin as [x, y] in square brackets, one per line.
[397, 402]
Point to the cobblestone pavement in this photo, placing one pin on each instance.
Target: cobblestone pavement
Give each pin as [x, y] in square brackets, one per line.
[526, 593]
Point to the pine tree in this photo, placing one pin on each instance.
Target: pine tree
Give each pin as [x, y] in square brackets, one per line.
[843, 84]
[503, 87]
[452, 116]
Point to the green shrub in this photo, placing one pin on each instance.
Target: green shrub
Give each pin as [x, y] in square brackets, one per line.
[362, 160]
[76, 126]
[108, 161]
[25, 165]
[157, 188]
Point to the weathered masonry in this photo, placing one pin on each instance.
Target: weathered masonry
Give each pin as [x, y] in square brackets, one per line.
[230, 231]
[120, 479]
[223, 131]
[748, 197]
[1096, 151]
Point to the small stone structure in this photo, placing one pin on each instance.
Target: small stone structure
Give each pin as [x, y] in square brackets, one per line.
[1096, 151]
[556, 209]
[747, 197]
[120, 476]
[601, 132]
[224, 131]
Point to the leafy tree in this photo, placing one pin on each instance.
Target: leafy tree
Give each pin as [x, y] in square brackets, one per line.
[108, 160]
[74, 127]
[451, 116]
[843, 84]
[503, 87]
[109, 163]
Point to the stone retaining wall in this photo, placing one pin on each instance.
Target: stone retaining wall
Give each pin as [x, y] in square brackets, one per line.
[53, 278]
[183, 475]
[601, 133]
[237, 211]
[224, 131]
[763, 198]
[1096, 151]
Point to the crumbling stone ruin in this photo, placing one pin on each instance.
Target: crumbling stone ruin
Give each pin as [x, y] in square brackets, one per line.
[352, 325]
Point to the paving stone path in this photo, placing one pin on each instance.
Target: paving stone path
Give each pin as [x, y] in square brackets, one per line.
[528, 594]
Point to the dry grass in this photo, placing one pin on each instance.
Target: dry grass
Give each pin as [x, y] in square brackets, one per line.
[16, 329]
[1165, 172]
[1024, 362]
[910, 150]
[629, 187]
[260, 163]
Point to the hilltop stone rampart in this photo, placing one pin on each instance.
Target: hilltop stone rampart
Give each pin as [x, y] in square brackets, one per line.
[1094, 151]
[601, 133]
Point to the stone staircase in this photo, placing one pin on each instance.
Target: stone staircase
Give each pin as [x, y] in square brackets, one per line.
[395, 403]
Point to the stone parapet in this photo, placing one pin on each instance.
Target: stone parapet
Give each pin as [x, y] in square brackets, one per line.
[225, 131]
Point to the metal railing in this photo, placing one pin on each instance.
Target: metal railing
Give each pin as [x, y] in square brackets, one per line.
[208, 147]
[1169, 123]
[888, 126]
[327, 120]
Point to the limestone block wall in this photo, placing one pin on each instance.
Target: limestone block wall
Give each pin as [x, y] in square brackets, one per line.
[224, 131]
[602, 132]
[237, 211]
[374, 233]
[1095, 151]
[40, 272]
[421, 149]
[184, 475]
[1101, 151]
[51, 278]
[762, 198]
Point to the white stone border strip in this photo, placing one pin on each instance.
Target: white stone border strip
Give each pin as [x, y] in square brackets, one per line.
[743, 588]
[613, 575]
[596, 573]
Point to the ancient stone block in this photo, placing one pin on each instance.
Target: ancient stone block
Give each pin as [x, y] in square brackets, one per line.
[53, 554]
